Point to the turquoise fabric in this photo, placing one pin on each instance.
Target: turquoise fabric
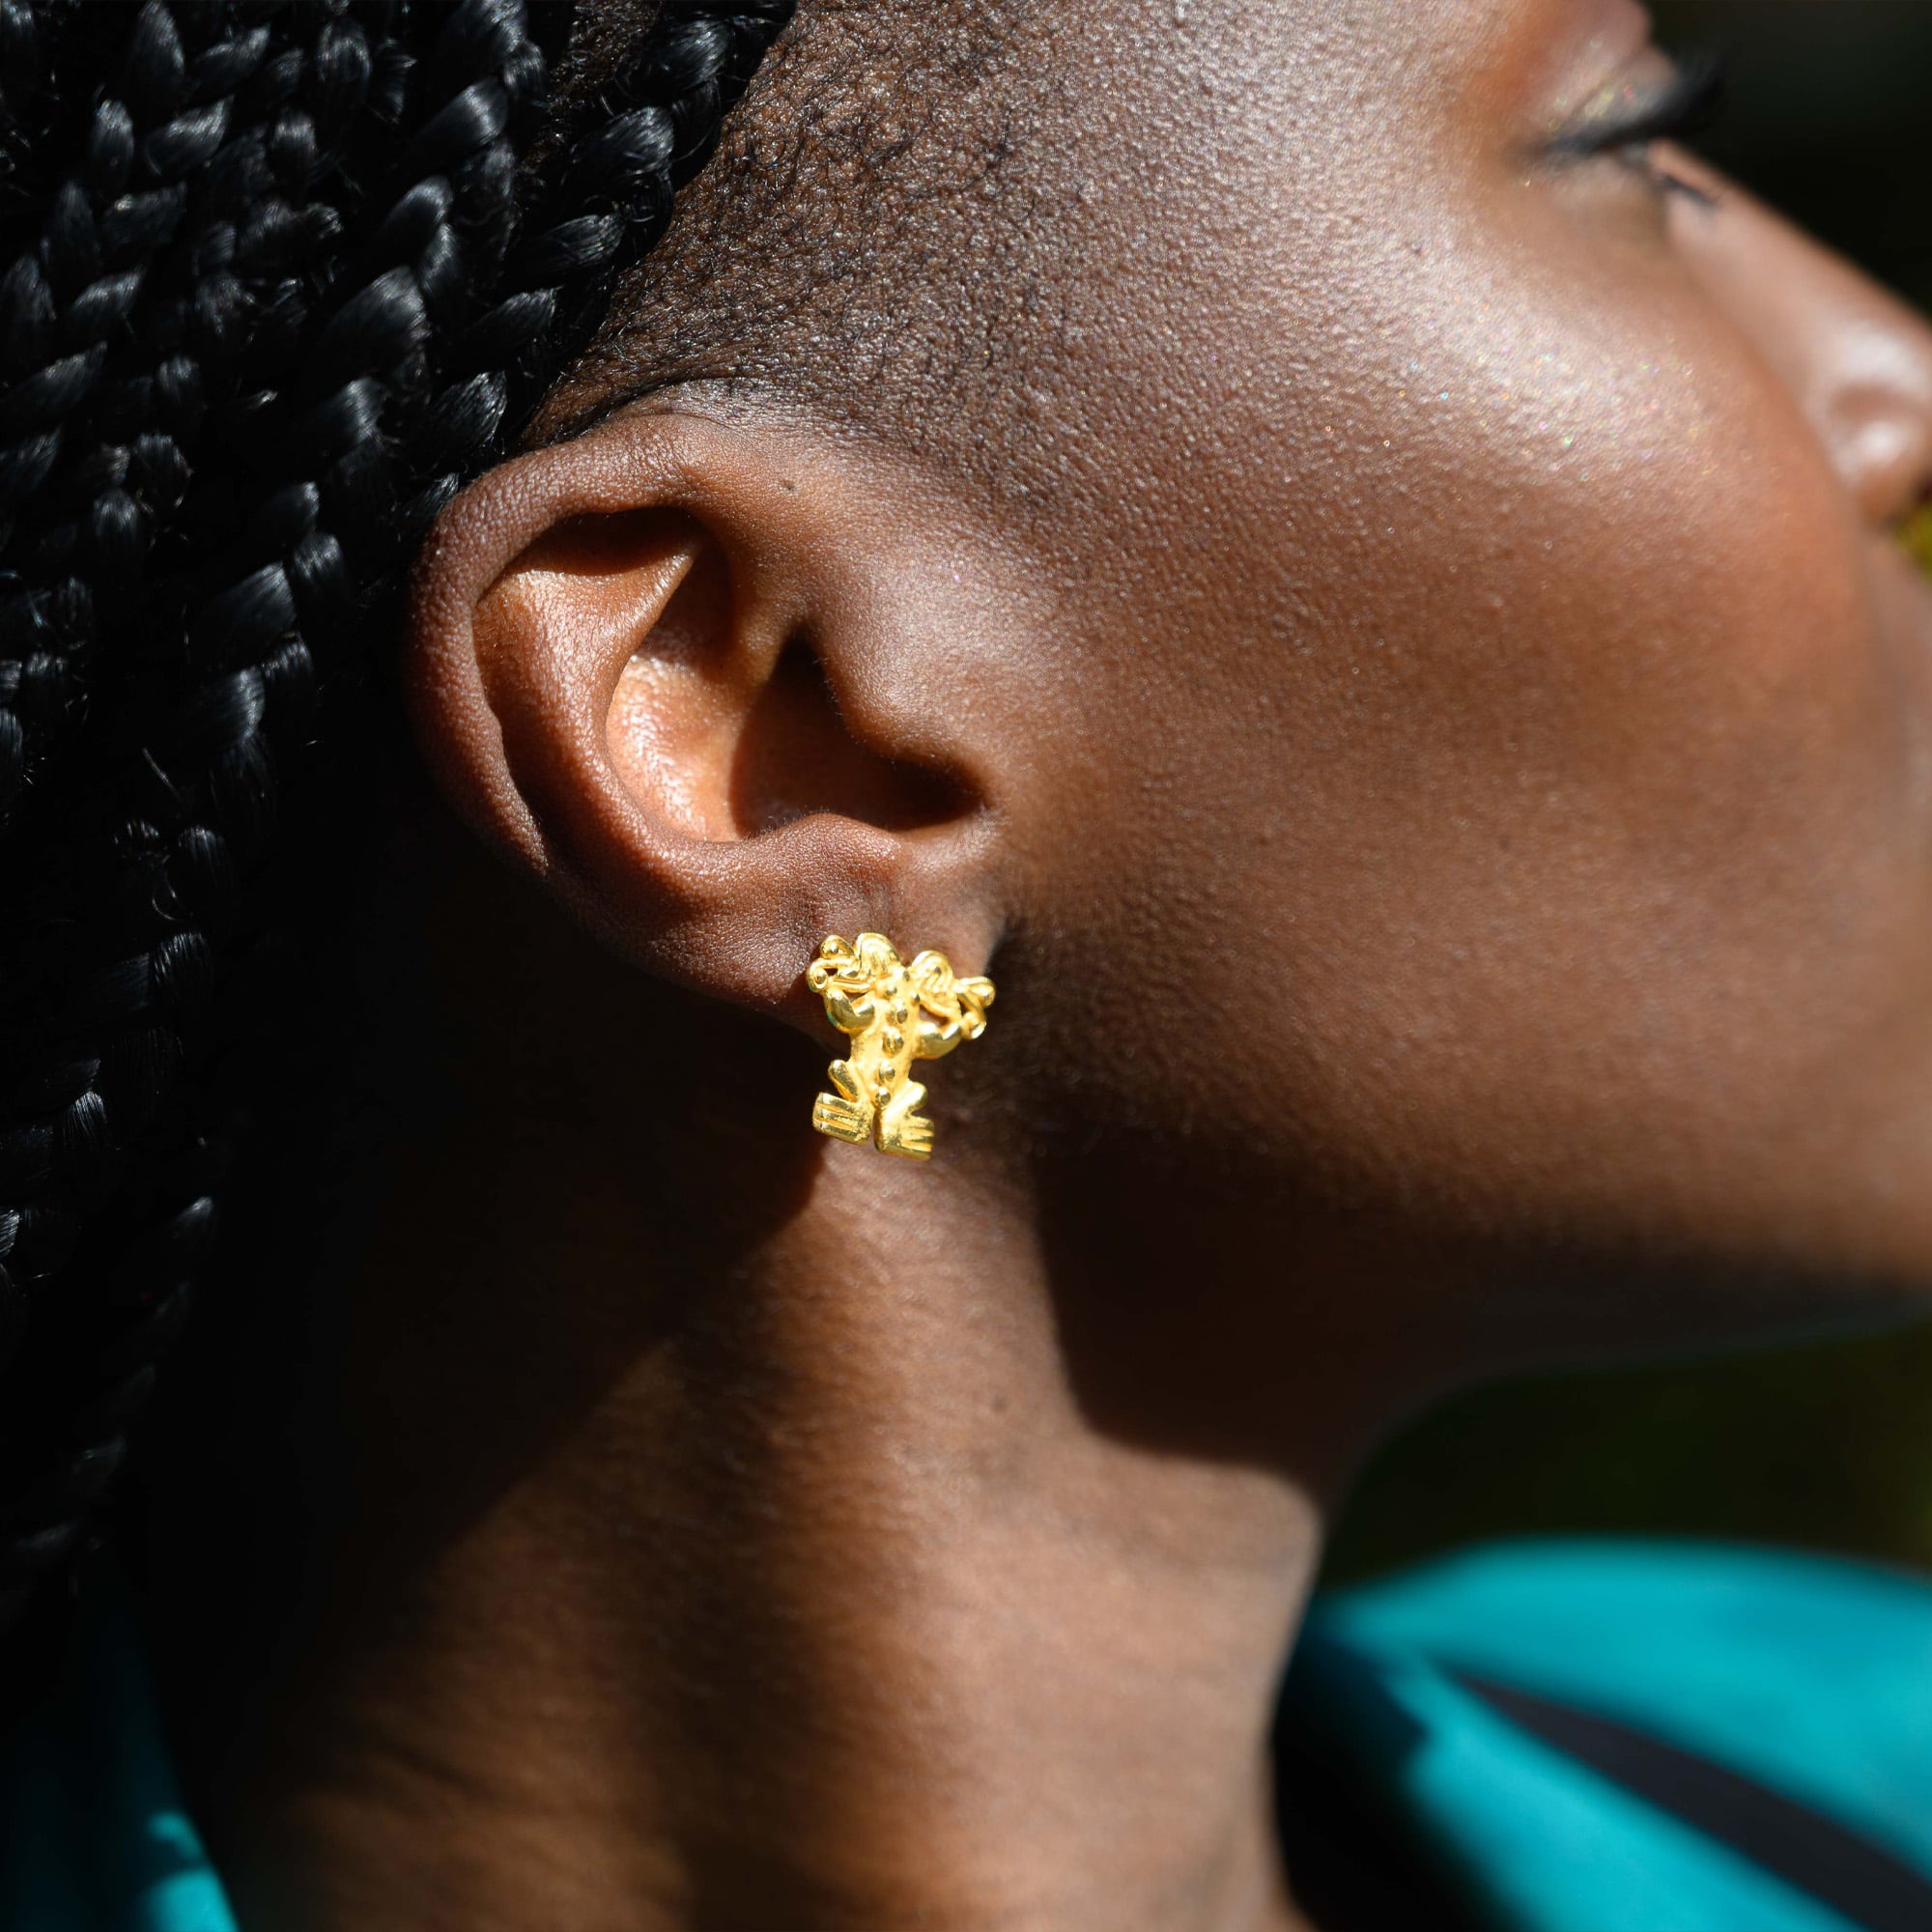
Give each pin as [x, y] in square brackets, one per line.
[1810, 1676]
[1813, 1677]
[93, 1833]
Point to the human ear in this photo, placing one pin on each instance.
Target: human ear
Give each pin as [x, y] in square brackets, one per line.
[663, 665]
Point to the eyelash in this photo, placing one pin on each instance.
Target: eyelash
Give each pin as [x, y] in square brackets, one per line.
[1687, 106]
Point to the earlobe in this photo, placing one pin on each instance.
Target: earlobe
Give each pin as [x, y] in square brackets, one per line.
[624, 668]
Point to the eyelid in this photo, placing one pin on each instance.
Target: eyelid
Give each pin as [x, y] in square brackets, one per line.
[1680, 101]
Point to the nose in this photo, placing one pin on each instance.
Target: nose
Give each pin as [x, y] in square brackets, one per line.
[1858, 358]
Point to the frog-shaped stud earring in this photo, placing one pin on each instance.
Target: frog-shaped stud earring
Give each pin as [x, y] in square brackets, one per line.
[895, 1013]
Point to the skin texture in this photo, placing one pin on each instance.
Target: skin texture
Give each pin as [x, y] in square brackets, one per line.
[1397, 663]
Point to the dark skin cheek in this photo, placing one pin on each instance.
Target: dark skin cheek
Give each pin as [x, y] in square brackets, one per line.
[1479, 681]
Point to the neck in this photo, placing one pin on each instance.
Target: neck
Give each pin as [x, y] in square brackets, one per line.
[815, 1572]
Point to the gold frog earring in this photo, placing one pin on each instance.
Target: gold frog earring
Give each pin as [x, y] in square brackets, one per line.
[895, 1013]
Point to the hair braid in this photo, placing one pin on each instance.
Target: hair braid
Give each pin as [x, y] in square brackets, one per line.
[352, 301]
[72, 317]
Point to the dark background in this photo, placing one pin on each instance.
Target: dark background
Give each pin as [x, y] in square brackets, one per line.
[1829, 115]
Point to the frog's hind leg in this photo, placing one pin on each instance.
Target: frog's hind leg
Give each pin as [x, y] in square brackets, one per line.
[845, 1115]
[903, 1131]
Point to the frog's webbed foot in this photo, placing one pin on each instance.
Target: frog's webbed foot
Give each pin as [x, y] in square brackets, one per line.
[902, 1131]
[912, 1138]
[844, 1115]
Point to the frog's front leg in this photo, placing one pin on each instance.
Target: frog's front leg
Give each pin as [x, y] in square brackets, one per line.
[901, 1129]
[848, 1014]
[846, 1115]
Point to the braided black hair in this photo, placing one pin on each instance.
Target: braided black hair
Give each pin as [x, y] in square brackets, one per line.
[281, 277]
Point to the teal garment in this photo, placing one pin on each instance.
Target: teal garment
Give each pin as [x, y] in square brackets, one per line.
[1809, 1678]
[1806, 1679]
[93, 1836]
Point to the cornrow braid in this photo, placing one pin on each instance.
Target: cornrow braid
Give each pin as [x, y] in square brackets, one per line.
[296, 291]
[74, 322]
